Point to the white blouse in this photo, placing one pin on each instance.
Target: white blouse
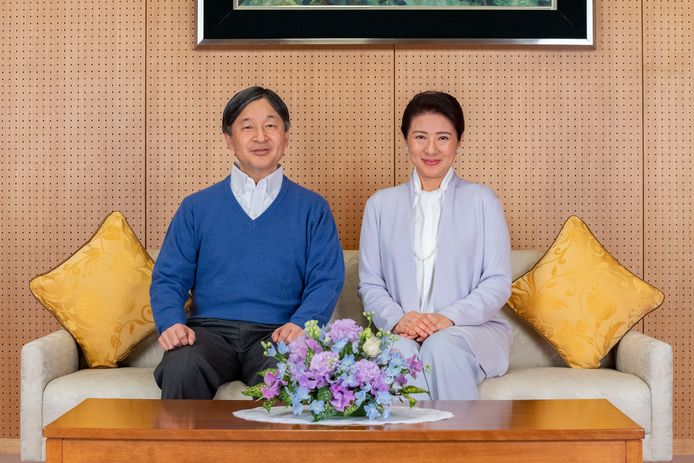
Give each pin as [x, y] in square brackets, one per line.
[255, 199]
[427, 215]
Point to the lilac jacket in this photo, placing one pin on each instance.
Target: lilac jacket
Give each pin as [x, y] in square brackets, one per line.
[472, 274]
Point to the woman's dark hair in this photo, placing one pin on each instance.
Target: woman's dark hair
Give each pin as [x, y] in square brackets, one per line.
[239, 101]
[434, 102]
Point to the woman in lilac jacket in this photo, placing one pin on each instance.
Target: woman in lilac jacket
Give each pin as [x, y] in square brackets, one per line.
[435, 258]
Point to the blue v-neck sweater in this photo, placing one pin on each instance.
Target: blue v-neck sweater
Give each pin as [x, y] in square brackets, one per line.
[284, 266]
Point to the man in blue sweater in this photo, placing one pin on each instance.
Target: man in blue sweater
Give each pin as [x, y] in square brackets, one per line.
[259, 254]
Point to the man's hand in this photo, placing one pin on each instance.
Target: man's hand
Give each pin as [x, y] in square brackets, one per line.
[287, 333]
[176, 335]
[414, 325]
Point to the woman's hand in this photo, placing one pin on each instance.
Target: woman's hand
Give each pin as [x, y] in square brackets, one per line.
[439, 321]
[419, 326]
[414, 325]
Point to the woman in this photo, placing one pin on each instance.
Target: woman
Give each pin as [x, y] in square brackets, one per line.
[435, 258]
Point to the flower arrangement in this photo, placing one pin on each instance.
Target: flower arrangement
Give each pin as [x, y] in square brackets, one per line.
[341, 369]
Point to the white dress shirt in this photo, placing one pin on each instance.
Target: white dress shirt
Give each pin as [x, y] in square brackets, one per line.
[255, 199]
[427, 215]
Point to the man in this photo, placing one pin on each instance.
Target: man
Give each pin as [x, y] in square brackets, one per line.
[259, 253]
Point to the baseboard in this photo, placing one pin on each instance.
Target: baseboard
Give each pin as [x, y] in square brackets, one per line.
[683, 447]
[679, 446]
[9, 446]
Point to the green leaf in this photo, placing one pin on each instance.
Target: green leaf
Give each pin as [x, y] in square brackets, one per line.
[309, 356]
[327, 412]
[353, 410]
[267, 370]
[254, 391]
[410, 399]
[285, 397]
[267, 405]
[324, 394]
[413, 390]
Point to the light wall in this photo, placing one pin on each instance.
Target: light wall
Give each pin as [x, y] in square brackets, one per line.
[109, 106]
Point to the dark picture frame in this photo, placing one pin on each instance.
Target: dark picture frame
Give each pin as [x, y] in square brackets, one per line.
[570, 24]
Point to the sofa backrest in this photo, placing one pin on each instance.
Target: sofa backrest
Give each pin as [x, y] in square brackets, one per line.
[527, 347]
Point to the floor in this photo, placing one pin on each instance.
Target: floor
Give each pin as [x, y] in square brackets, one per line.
[13, 458]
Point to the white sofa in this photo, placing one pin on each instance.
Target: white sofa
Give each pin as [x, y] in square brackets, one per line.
[636, 377]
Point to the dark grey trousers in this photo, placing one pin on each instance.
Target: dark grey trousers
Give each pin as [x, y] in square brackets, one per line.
[223, 351]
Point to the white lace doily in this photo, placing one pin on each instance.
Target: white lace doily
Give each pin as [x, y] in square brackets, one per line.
[399, 415]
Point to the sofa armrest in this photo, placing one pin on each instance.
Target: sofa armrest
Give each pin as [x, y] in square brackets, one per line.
[42, 360]
[651, 360]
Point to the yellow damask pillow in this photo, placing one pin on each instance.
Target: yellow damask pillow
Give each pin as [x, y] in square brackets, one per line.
[580, 299]
[100, 295]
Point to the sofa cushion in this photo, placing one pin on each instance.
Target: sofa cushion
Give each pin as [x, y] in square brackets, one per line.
[580, 298]
[527, 348]
[67, 391]
[100, 295]
[628, 393]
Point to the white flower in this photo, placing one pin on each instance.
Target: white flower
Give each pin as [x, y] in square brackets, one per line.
[372, 346]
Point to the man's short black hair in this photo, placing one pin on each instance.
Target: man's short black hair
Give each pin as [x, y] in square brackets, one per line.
[434, 102]
[239, 101]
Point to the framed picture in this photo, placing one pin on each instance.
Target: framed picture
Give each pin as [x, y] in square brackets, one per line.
[407, 22]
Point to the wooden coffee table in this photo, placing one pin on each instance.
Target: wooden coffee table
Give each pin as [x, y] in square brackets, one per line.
[130, 430]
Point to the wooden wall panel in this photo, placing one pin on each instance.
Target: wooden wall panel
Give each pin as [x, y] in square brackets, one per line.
[546, 128]
[340, 103]
[669, 156]
[72, 150]
[109, 106]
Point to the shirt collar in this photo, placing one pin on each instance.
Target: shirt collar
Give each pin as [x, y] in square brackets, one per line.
[240, 181]
[417, 184]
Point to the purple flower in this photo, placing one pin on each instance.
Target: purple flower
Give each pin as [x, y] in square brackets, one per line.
[379, 384]
[366, 371]
[272, 385]
[300, 375]
[298, 350]
[344, 329]
[270, 392]
[342, 397]
[414, 365]
[313, 345]
[322, 365]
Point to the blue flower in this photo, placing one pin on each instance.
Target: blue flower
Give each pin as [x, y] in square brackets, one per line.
[360, 397]
[386, 413]
[397, 363]
[372, 411]
[298, 396]
[383, 398]
[339, 345]
[347, 361]
[297, 408]
[271, 352]
[282, 348]
[317, 406]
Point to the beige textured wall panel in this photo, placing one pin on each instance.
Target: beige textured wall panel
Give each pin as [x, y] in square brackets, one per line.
[340, 102]
[554, 132]
[72, 150]
[669, 155]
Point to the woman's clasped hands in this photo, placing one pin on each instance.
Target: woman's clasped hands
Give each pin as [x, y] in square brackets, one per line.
[419, 326]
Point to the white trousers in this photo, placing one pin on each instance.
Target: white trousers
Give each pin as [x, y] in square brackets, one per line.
[455, 371]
